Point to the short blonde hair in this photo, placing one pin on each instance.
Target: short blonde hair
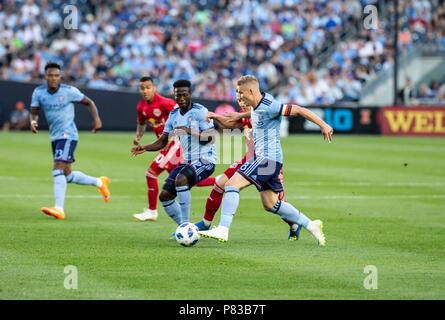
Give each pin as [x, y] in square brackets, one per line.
[247, 79]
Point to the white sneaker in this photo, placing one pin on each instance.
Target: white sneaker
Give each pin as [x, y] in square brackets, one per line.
[316, 229]
[148, 214]
[219, 233]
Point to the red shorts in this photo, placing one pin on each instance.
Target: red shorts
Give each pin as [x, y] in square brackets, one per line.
[237, 164]
[167, 159]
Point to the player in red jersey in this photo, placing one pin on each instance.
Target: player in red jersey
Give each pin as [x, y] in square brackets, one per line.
[215, 199]
[154, 110]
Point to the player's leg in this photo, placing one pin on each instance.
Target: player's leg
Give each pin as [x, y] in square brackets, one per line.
[294, 229]
[189, 176]
[288, 212]
[151, 176]
[228, 209]
[213, 202]
[210, 181]
[61, 167]
[215, 199]
[168, 194]
[81, 178]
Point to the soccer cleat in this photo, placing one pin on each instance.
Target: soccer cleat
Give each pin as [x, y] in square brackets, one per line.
[56, 213]
[316, 229]
[219, 233]
[294, 235]
[147, 215]
[104, 189]
[201, 226]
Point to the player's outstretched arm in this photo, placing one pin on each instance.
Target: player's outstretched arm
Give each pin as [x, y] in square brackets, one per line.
[140, 130]
[34, 118]
[97, 123]
[236, 116]
[155, 146]
[223, 121]
[295, 110]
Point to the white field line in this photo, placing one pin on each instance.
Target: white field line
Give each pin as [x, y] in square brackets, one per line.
[338, 197]
[286, 182]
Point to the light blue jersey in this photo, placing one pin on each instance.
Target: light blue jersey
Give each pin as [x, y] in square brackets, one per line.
[266, 121]
[195, 119]
[59, 110]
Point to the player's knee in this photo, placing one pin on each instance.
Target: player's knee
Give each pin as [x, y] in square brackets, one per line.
[151, 174]
[267, 206]
[165, 196]
[181, 180]
[221, 181]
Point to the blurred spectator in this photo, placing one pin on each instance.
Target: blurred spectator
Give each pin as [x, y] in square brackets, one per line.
[407, 93]
[19, 118]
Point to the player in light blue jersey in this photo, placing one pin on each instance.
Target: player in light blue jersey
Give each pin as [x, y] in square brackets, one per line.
[57, 101]
[263, 169]
[196, 135]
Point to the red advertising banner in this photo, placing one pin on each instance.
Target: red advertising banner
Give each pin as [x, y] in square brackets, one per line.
[413, 121]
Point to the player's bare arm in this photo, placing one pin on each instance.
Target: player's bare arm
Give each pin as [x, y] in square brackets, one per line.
[155, 146]
[97, 123]
[223, 121]
[140, 130]
[206, 135]
[236, 116]
[34, 118]
[295, 110]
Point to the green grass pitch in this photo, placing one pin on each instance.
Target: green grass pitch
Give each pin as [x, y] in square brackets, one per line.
[382, 201]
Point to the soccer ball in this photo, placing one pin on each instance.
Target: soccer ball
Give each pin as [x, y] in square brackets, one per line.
[187, 234]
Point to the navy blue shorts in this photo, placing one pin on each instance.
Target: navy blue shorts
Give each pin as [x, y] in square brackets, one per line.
[195, 173]
[263, 173]
[63, 150]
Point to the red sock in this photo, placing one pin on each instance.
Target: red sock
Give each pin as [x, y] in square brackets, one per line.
[213, 202]
[153, 190]
[210, 181]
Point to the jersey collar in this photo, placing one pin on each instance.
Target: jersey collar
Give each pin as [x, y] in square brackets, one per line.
[54, 91]
[261, 101]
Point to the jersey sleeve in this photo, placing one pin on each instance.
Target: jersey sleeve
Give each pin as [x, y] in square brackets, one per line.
[75, 95]
[140, 117]
[168, 127]
[203, 124]
[274, 109]
[35, 102]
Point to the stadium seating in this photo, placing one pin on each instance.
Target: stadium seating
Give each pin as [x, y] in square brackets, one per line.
[309, 52]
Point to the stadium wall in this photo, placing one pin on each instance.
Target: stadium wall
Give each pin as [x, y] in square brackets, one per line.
[118, 111]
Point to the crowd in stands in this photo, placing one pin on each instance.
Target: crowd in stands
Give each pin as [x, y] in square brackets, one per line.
[214, 42]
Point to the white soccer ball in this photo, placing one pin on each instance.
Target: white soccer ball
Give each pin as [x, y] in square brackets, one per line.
[187, 234]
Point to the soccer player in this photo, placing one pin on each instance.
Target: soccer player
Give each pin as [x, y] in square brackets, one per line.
[154, 110]
[196, 135]
[263, 169]
[215, 198]
[57, 100]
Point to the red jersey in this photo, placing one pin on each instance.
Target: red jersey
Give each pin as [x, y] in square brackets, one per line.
[248, 136]
[155, 113]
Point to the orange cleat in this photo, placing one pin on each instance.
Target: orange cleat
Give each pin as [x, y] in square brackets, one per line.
[104, 189]
[51, 211]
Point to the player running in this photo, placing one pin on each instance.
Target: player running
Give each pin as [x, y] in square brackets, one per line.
[196, 135]
[263, 169]
[57, 100]
[154, 110]
[215, 198]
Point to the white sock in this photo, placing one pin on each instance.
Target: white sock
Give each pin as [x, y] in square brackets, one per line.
[207, 222]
